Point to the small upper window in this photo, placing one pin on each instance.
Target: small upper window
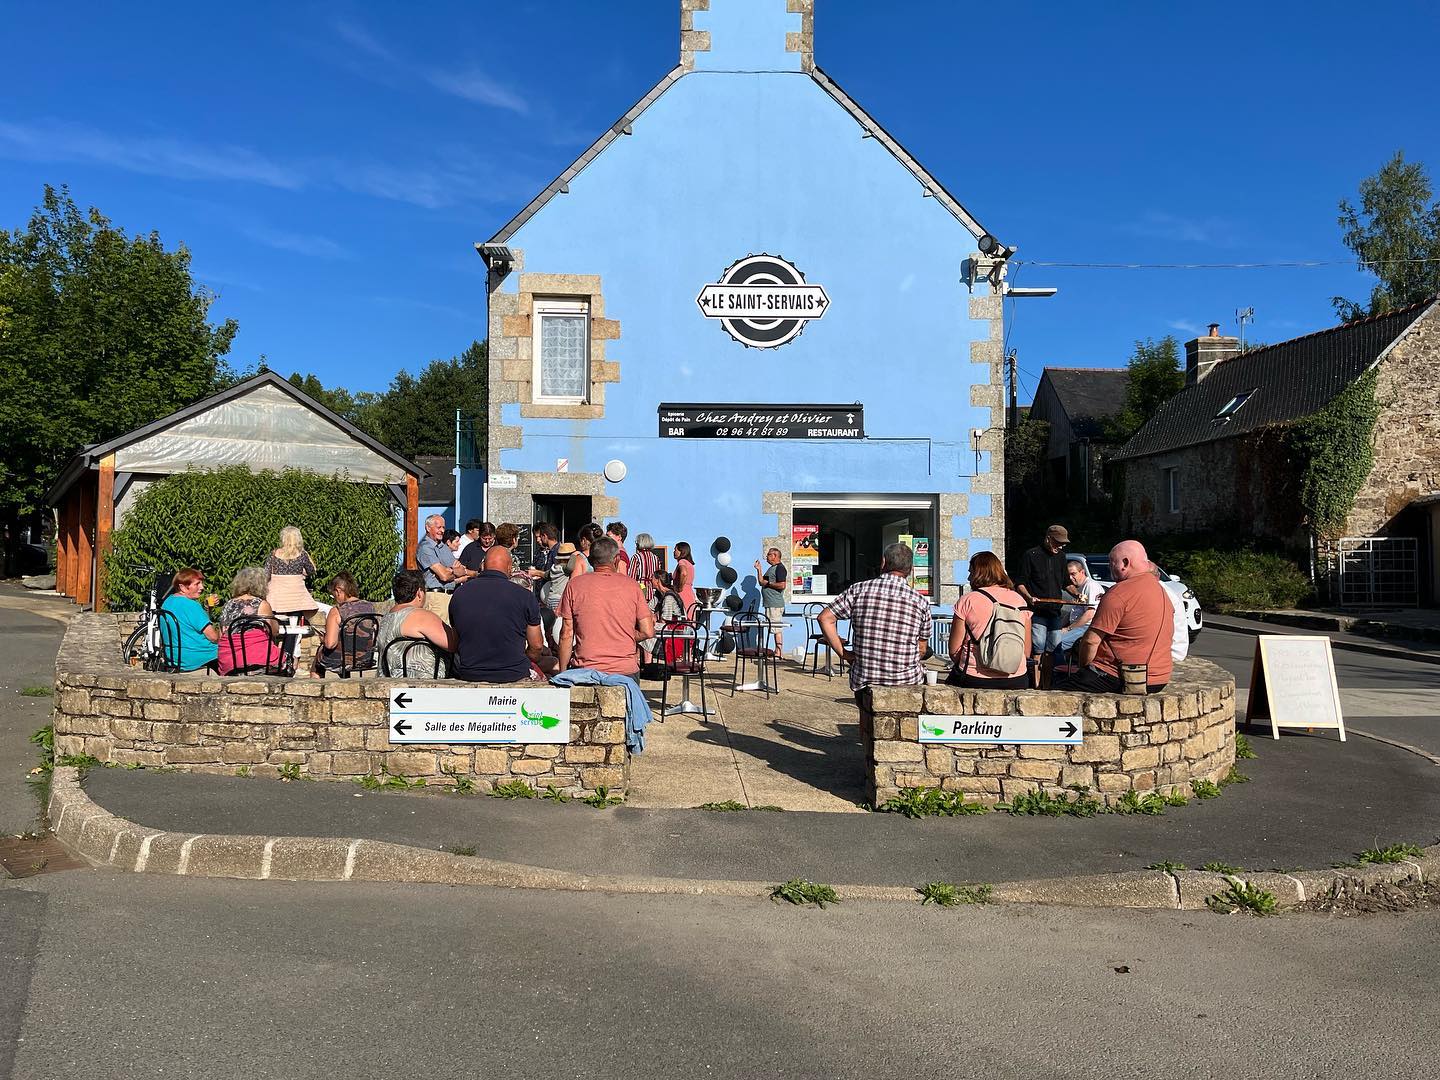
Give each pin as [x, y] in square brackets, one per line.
[562, 351]
[1232, 406]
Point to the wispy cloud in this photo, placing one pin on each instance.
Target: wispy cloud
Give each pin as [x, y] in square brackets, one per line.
[1185, 326]
[1159, 225]
[444, 178]
[426, 305]
[469, 83]
[320, 247]
[151, 155]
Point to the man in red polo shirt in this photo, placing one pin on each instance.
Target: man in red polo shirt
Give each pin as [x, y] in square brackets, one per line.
[1133, 625]
[605, 617]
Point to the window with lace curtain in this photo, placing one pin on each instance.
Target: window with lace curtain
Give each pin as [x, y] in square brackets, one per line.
[562, 351]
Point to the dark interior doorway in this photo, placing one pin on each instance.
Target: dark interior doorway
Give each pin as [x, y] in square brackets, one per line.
[566, 512]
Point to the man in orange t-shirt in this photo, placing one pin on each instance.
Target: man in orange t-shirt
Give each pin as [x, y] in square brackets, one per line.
[605, 616]
[1132, 625]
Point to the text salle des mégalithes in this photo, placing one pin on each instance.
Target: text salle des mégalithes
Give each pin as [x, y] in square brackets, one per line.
[766, 300]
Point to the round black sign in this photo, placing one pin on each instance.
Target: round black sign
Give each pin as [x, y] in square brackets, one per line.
[762, 301]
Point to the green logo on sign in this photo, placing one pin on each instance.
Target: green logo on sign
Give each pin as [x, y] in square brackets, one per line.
[932, 730]
[546, 722]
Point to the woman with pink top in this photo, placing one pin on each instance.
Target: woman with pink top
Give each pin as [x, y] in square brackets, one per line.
[684, 577]
[989, 585]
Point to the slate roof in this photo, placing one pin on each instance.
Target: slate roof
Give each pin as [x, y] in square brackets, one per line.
[1290, 380]
[1088, 396]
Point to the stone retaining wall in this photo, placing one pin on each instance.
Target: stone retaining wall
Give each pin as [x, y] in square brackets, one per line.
[331, 728]
[1159, 742]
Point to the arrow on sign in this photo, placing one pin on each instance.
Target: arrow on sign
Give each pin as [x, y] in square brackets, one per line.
[402, 726]
[402, 699]
[1068, 729]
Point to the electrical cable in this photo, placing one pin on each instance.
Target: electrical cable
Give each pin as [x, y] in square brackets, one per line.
[1307, 264]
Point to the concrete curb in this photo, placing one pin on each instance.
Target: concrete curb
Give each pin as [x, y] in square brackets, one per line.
[1394, 652]
[106, 840]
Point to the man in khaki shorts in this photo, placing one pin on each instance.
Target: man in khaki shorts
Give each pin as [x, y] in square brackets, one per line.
[442, 572]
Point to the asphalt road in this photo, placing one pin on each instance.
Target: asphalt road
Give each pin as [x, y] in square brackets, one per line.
[133, 976]
[1396, 699]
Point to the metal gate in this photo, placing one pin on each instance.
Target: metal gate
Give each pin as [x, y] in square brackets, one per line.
[1379, 571]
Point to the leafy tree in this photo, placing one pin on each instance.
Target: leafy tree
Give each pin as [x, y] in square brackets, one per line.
[1395, 230]
[1155, 377]
[100, 333]
[417, 415]
[360, 409]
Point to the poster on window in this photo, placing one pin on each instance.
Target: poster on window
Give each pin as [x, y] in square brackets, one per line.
[920, 576]
[805, 543]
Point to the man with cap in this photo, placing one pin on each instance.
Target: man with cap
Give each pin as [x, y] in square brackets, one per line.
[1042, 580]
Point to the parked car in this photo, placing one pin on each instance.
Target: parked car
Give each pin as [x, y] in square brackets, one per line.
[1180, 593]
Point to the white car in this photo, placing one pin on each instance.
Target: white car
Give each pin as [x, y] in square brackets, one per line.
[1180, 593]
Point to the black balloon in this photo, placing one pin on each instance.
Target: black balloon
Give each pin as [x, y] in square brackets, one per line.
[722, 544]
[733, 603]
[727, 575]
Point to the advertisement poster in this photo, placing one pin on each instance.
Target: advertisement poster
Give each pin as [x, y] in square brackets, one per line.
[804, 555]
[920, 571]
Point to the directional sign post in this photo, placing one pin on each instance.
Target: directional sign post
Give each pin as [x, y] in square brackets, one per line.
[997, 730]
[479, 714]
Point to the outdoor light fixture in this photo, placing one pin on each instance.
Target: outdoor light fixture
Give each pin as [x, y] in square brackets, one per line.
[497, 257]
[988, 244]
[615, 470]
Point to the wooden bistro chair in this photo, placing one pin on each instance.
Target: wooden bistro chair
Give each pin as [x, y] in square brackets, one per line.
[358, 634]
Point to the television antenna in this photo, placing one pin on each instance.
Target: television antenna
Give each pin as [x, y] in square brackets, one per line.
[1244, 316]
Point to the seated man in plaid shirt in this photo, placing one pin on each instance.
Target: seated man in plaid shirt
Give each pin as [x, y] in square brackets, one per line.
[890, 625]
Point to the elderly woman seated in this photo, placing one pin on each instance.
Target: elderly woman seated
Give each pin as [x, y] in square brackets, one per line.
[409, 621]
[189, 637]
[244, 645]
[343, 647]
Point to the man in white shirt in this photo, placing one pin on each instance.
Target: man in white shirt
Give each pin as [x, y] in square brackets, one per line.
[1075, 618]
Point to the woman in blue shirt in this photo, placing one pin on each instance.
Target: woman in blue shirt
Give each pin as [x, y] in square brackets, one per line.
[196, 646]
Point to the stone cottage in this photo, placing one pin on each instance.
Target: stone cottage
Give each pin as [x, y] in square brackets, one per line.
[1076, 402]
[1215, 458]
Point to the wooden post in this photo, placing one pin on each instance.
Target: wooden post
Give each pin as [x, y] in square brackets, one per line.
[60, 548]
[67, 537]
[412, 519]
[104, 525]
[84, 535]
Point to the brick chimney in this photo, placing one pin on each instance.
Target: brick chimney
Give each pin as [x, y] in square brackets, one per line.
[747, 35]
[1202, 354]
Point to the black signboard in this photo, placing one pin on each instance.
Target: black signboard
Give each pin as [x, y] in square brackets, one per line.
[722, 421]
[524, 553]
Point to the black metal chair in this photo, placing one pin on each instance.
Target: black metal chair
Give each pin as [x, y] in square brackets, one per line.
[169, 657]
[815, 641]
[755, 643]
[249, 656]
[681, 646]
[358, 634]
[441, 660]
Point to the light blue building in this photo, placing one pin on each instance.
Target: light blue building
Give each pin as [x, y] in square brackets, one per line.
[747, 312]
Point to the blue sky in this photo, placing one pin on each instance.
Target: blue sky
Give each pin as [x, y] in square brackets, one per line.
[329, 166]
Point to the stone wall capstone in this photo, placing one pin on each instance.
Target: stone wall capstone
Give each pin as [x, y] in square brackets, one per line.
[1157, 742]
[331, 728]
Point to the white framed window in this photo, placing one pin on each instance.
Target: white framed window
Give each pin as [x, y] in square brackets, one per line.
[561, 349]
[837, 540]
[1172, 489]
[1231, 407]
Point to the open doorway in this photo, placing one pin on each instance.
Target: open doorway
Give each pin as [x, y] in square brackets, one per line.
[566, 512]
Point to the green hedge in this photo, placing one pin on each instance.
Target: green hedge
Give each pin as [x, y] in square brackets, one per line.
[1223, 580]
[220, 521]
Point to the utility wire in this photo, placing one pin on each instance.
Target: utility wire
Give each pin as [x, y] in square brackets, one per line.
[1302, 264]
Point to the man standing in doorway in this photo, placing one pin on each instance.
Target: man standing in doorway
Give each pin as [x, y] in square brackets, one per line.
[890, 625]
[772, 595]
[1043, 578]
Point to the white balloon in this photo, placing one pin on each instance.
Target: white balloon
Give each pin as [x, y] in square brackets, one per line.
[723, 558]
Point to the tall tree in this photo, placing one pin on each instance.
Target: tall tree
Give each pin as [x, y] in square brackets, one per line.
[1155, 377]
[416, 415]
[1395, 235]
[359, 408]
[100, 333]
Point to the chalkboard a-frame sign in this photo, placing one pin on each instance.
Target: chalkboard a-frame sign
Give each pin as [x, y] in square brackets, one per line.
[1292, 684]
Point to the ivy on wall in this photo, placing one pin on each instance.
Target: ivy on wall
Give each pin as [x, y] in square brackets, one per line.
[1336, 450]
[230, 518]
